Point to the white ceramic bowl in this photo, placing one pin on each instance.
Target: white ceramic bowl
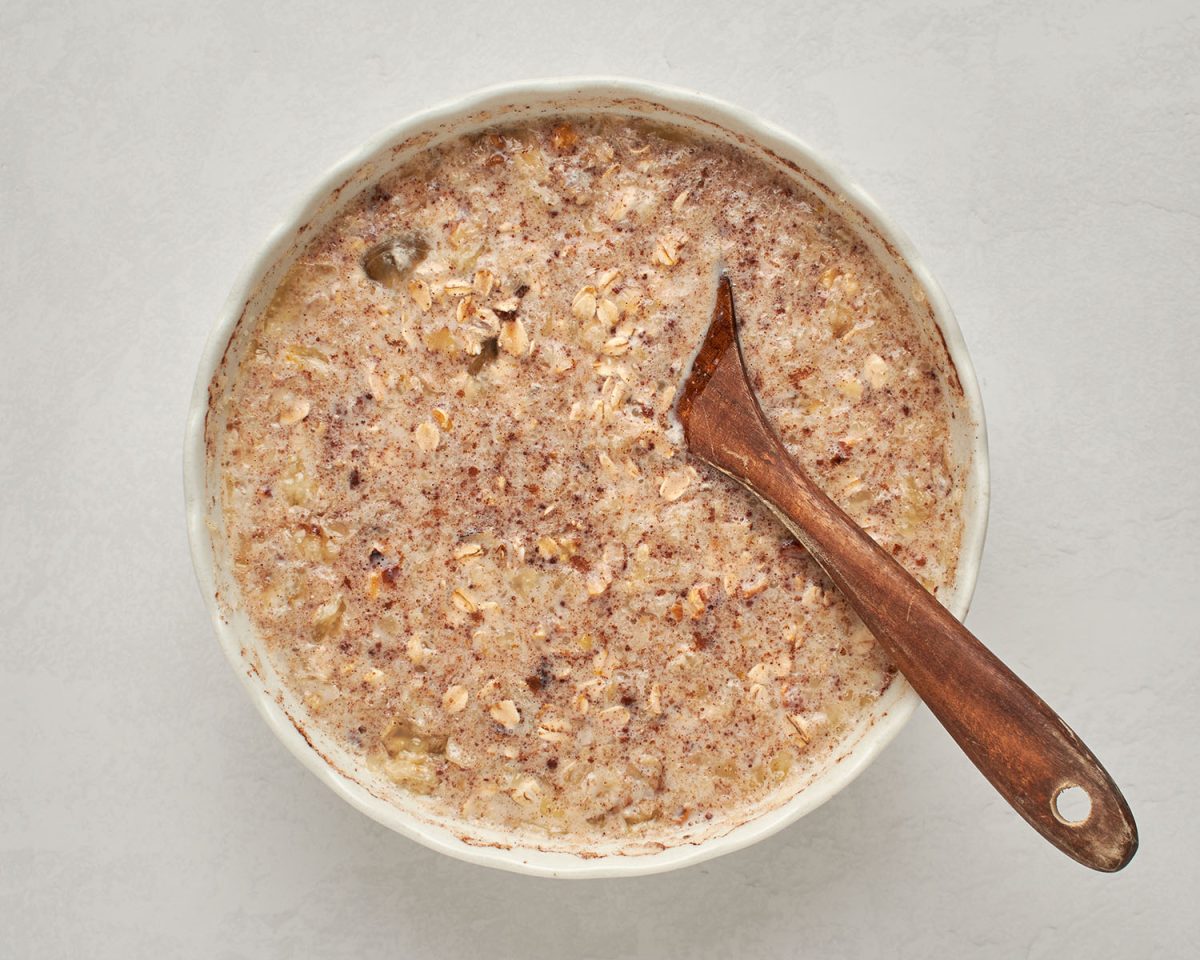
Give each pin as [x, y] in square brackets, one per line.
[331, 194]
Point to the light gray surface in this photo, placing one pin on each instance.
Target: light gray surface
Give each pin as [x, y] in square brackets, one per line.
[1046, 166]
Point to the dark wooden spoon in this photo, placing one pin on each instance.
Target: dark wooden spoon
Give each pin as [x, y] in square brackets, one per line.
[1016, 741]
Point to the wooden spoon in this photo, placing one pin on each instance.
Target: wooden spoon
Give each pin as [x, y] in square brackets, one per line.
[1015, 740]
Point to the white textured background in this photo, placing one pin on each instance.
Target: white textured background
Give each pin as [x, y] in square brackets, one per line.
[1046, 165]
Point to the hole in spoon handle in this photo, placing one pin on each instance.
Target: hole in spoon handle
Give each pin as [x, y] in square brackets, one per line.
[1072, 805]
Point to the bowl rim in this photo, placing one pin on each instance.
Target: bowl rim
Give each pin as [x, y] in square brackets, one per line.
[676, 99]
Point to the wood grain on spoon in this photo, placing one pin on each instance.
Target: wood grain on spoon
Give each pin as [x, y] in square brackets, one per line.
[1018, 743]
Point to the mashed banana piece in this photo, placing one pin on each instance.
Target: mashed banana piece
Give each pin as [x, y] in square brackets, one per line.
[466, 524]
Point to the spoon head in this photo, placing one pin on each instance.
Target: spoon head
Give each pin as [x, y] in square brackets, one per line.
[716, 385]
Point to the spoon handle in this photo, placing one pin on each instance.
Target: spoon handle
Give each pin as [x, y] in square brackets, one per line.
[1022, 746]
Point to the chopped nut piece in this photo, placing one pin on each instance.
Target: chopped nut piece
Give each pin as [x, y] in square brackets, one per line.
[697, 601]
[639, 813]
[841, 319]
[513, 339]
[454, 700]
[851, 388]
[444, 420]
[456, 755]
[527, 792]
[416, 651]
[548, 548]
[654, 701]
[564, 138]
[674, 485]
[442, 340]
[294, 411]
[600, 577]
[875, 369]
[328, 618]
[679, 201]
[506, 714]
[650, 769]
[467, 550]
[307, 358]
[412, 771]
[427, 436]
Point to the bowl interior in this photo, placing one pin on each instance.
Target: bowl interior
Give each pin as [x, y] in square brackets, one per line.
[342, 771]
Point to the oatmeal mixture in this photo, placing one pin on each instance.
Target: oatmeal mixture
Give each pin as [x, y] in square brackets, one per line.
[464, 520]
